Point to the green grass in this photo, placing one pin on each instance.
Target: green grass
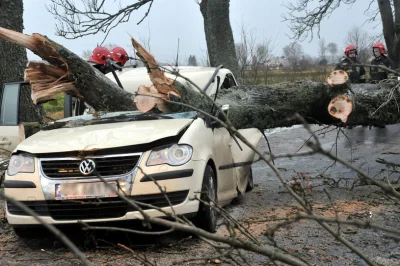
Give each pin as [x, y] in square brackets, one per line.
[55, 109]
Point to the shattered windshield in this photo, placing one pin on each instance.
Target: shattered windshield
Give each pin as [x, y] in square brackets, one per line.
[115, 117]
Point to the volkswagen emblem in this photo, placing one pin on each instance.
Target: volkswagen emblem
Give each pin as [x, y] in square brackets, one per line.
[87, 166]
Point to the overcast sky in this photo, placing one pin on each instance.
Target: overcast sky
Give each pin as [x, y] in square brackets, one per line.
[173, 19]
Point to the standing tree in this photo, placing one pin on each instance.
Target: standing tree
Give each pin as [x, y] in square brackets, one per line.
[14, 59]
[305, 17]
[356, 36]
[192, 61]
[332, 49]
[253, 55]
[219, 36]
[322, 52]
[89, 17]
[293, 53]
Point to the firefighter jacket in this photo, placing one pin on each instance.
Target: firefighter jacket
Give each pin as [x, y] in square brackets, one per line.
[380, 73]
[356, 73]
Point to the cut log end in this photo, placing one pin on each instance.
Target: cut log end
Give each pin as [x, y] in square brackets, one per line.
[337, 77]
[341, 107]
[147, 98]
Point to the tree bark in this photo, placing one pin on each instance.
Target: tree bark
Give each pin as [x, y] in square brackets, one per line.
[269, 107]
[396, 4]
[13, 59]
[391, 28]
[219, 36]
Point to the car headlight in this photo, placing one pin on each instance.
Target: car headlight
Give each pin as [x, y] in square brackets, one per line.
[174, 155]
[21, 164]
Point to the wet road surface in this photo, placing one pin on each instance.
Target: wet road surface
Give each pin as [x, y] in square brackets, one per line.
[268, 201]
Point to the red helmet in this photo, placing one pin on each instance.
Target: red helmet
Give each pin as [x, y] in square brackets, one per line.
[119, 55]
[99, 55]
[350, 48]
[380, 46]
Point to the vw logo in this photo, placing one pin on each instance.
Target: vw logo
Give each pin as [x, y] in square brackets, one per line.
[87, 166]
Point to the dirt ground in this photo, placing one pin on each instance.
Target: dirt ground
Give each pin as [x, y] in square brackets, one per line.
[258, 209]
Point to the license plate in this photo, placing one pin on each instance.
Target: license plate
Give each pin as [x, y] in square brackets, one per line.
[70, 191]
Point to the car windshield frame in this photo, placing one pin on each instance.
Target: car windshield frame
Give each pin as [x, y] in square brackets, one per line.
[115, 117]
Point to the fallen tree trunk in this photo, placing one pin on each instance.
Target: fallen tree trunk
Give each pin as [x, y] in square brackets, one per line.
[250, 106]
[269, 107]
[88, 82]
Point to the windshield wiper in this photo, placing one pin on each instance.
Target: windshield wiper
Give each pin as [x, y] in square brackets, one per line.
[116, 119]
[151, 116]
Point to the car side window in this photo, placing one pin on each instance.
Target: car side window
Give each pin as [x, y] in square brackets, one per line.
[229, 82]
[9, 104]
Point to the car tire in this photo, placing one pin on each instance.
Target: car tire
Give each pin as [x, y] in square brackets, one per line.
[207, 215]
[250, 182]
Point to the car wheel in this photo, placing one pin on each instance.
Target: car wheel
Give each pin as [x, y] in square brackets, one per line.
[207, 215]
[250, 182]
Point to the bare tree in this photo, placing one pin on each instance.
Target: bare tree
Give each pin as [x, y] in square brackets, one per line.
[219, 36]
[146, 40]
[332, 49]
[253, 55]
[305, 17]
[205, 59]
[360, 38]
[192, 61]
[293, 53]
[244, 50]
[322, 51]
[90, 17]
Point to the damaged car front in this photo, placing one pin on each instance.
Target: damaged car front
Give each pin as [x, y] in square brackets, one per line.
[56, 171]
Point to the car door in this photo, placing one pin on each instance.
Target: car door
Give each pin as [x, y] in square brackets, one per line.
[224, 161]
[11, 132]
[243, 156]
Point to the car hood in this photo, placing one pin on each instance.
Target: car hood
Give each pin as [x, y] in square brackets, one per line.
[102, 136]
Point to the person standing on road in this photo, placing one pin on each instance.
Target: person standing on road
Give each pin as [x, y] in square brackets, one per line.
[380, 59]
[356, 73]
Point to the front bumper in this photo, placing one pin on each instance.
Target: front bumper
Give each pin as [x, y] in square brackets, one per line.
[188, 206]
[40, 197]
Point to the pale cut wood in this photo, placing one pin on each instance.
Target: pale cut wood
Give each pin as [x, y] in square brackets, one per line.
[341, 107]
[47, 81]
[162, 83]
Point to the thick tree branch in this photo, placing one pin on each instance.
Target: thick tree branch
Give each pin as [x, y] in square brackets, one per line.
[92, 18]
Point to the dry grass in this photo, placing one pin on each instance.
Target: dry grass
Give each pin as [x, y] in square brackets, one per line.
[269, 77]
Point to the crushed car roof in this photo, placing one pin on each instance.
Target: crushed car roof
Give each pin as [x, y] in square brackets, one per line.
[132, 78]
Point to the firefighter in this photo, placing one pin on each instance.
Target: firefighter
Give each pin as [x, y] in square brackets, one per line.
[119, 55]
[356, 73]
[99, 58]
[380, 59]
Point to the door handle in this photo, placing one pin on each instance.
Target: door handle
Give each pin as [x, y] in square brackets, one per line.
[5, 142]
